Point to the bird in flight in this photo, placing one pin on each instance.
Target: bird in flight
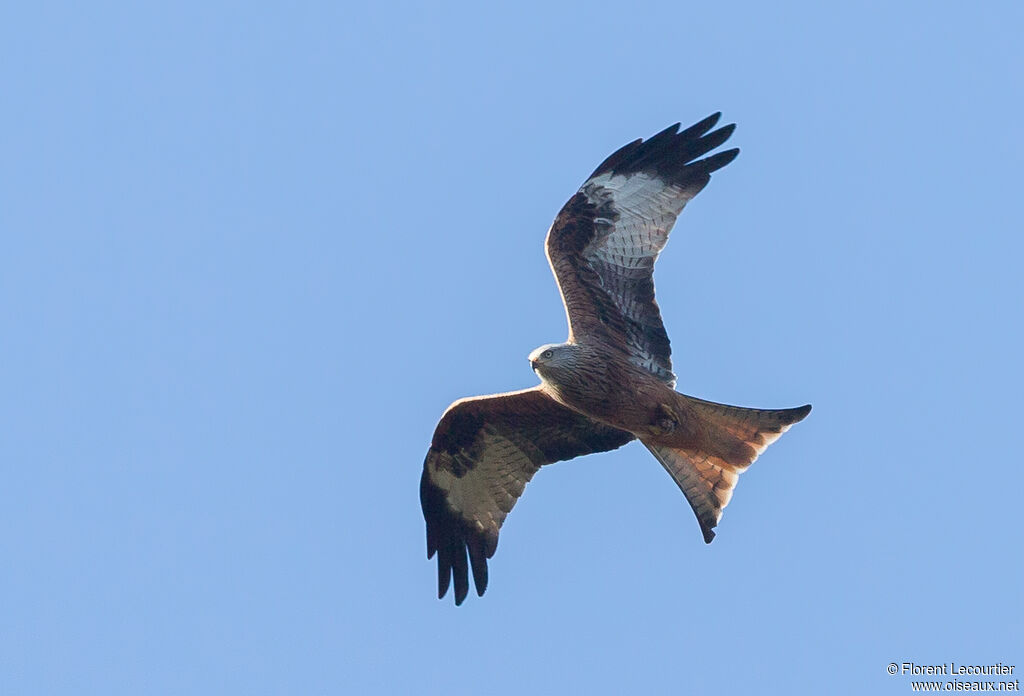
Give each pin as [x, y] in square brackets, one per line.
[610, 382]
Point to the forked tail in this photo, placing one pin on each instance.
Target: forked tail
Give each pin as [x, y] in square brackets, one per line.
[715, 444]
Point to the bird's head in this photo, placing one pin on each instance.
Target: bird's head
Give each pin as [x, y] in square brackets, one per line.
[551, 357]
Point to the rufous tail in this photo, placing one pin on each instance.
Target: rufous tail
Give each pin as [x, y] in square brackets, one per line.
[714, 444]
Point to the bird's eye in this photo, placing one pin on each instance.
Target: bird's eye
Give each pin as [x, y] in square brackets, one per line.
[548, 354]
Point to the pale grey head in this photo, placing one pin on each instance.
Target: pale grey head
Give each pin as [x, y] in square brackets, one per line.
[554, 358]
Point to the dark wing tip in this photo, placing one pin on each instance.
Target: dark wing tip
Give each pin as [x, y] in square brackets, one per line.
[478, 562]
[717, 161]
[444, 572]
[715, 138]
[460, 572]
[801, 412]
[451, 538]
[701, 127]
[674, 154]
[613, 160]
[671, 130]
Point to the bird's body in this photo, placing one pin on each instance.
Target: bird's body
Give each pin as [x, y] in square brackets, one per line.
[592, 380]
[606, 387]
[610, 382]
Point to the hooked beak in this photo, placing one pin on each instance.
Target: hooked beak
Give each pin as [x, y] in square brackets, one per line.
[534, 364]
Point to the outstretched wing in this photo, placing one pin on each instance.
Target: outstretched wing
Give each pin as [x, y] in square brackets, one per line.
[484, 452]
[605, 240]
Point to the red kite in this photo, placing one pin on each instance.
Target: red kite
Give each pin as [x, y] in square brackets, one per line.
[610, 382]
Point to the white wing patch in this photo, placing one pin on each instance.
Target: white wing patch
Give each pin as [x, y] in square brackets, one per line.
[647, 209]
[487, 493]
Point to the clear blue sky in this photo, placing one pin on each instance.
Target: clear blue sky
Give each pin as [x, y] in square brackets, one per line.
[250, 253]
